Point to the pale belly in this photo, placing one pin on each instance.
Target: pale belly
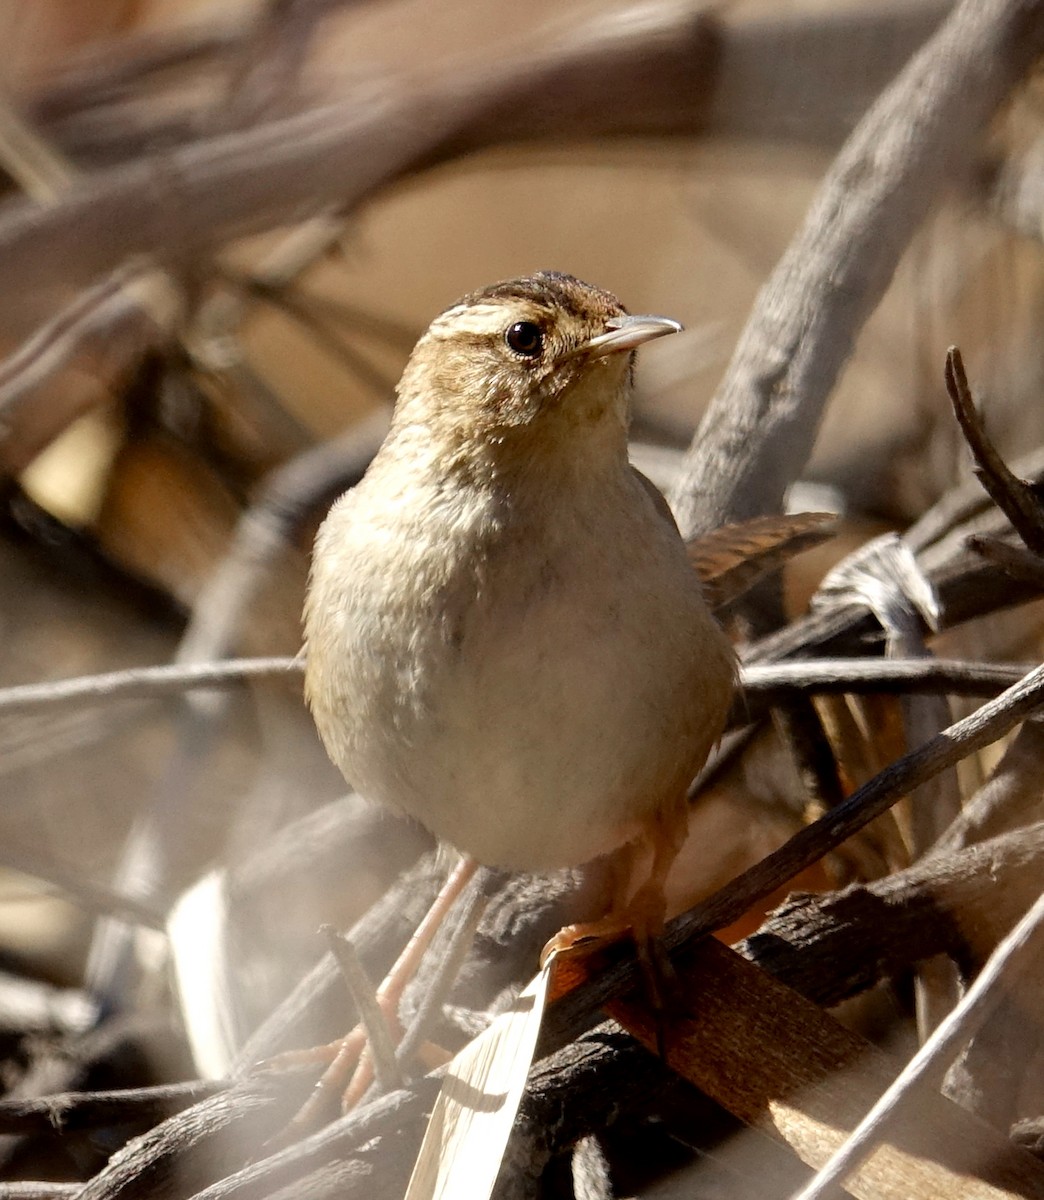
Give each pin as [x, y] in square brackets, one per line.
[532, 720]
[552, 761]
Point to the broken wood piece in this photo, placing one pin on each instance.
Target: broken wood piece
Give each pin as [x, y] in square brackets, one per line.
[1010, 960]
[380, 1039]
[833, 946]
[784, 1066]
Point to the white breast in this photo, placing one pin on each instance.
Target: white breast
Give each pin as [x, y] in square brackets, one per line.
[529, 685]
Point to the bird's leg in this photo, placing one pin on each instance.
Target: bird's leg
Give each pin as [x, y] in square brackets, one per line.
[648, 910]
[348, 1053]
[616, 922]
[641, 914]
[665, 837]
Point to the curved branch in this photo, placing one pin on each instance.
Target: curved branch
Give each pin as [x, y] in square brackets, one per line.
[918, 137]
[661, 68]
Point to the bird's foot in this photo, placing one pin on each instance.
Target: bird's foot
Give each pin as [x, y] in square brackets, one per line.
[350, 1066]
[642, 919]
[585, 937]
[349, 1072]
[308, 1056]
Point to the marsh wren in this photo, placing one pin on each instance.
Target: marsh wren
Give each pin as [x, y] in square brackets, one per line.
[505, 636]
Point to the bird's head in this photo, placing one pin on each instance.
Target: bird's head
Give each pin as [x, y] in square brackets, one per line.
[543, 352]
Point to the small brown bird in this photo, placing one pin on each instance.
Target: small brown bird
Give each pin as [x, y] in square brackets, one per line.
[505, 636]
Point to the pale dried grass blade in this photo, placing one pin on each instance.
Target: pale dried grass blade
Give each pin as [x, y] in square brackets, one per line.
[469, 1128]
[198, 933]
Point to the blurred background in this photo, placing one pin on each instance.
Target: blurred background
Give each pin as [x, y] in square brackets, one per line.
[178, 407]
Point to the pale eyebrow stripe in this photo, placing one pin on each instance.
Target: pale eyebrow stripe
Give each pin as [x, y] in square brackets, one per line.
[480, 319]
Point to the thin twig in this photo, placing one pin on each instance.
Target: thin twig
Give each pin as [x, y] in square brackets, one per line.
[144, 683]
[380, 1046]
[836, 675]
[67, 1112]
[1011, 957]
[39, 1190]
[1011, 495]
[331, 337]
[825, 675]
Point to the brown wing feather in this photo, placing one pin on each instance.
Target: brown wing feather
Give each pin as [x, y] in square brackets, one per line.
[732, 559]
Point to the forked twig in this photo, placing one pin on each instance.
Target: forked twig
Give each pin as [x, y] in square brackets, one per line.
[1011, 495]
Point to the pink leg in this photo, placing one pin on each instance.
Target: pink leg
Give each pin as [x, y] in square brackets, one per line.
[642, 914]
[348, 1053]
[615, 923]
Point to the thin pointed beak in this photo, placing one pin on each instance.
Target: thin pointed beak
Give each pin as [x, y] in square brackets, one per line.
[627, 333]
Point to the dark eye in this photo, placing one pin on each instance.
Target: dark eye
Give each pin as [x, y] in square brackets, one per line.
[525, 338]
